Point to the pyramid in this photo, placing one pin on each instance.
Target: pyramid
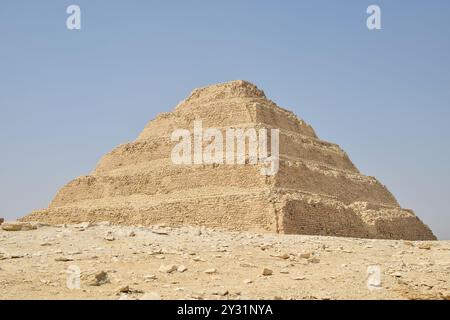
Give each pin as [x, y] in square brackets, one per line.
[316, 191]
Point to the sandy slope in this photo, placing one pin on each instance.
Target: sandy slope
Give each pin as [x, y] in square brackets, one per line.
[135, 260]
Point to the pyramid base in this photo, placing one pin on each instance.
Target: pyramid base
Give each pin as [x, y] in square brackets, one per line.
[256, 210]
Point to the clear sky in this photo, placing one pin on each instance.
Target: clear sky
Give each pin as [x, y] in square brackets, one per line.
[68, 97]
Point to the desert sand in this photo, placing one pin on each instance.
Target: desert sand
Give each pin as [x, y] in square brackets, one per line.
[158, 262]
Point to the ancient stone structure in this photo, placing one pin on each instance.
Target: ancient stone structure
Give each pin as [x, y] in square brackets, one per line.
[317, 190]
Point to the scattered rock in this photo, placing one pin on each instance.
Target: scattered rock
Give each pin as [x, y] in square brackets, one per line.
[299, 278]
[210, 271]
[424, 246]
[109, 236]
[266, 272]
[150, 277]
[160, 232]
[248, 281]
[305, 255]
[220, 292]
[314, 260]
[284, 256]
[198, 259]
[97, 279]
[63, 259]
[167, 268]
[18, 226]
[181, 268]
[123, 289]
[46, 244]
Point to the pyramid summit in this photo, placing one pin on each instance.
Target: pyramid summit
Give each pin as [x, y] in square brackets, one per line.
[316, 190]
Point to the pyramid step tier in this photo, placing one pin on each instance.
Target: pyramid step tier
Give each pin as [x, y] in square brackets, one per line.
[280, 211]
[292, 145]
[230, 112]
[161, 177]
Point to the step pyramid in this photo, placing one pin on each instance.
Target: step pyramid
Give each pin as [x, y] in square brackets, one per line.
[316, 191]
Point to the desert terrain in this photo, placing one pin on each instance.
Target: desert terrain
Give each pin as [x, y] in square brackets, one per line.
[39, 261]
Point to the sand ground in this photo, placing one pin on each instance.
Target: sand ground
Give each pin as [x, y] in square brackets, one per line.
[101, 261]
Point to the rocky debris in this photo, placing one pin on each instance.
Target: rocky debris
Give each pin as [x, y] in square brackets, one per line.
[220, 292]
[210, 271]
[424, 246]
[97, 279]
[127, 290]
[305, 255]
[167, 268]
[160, 232]
[198, 259]
[123, 289]
[63, 259]
[266, 272]
[181, 268]
[109, 236]
[28, 270]
[18, 226]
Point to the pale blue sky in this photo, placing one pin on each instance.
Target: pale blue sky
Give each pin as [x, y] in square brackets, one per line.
[68, 97]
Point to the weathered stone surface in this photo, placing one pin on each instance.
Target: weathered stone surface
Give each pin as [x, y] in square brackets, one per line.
[96, 279]
[317, 190]
[210, 271]
[18, 226]
[266, 272]
[167, 268]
